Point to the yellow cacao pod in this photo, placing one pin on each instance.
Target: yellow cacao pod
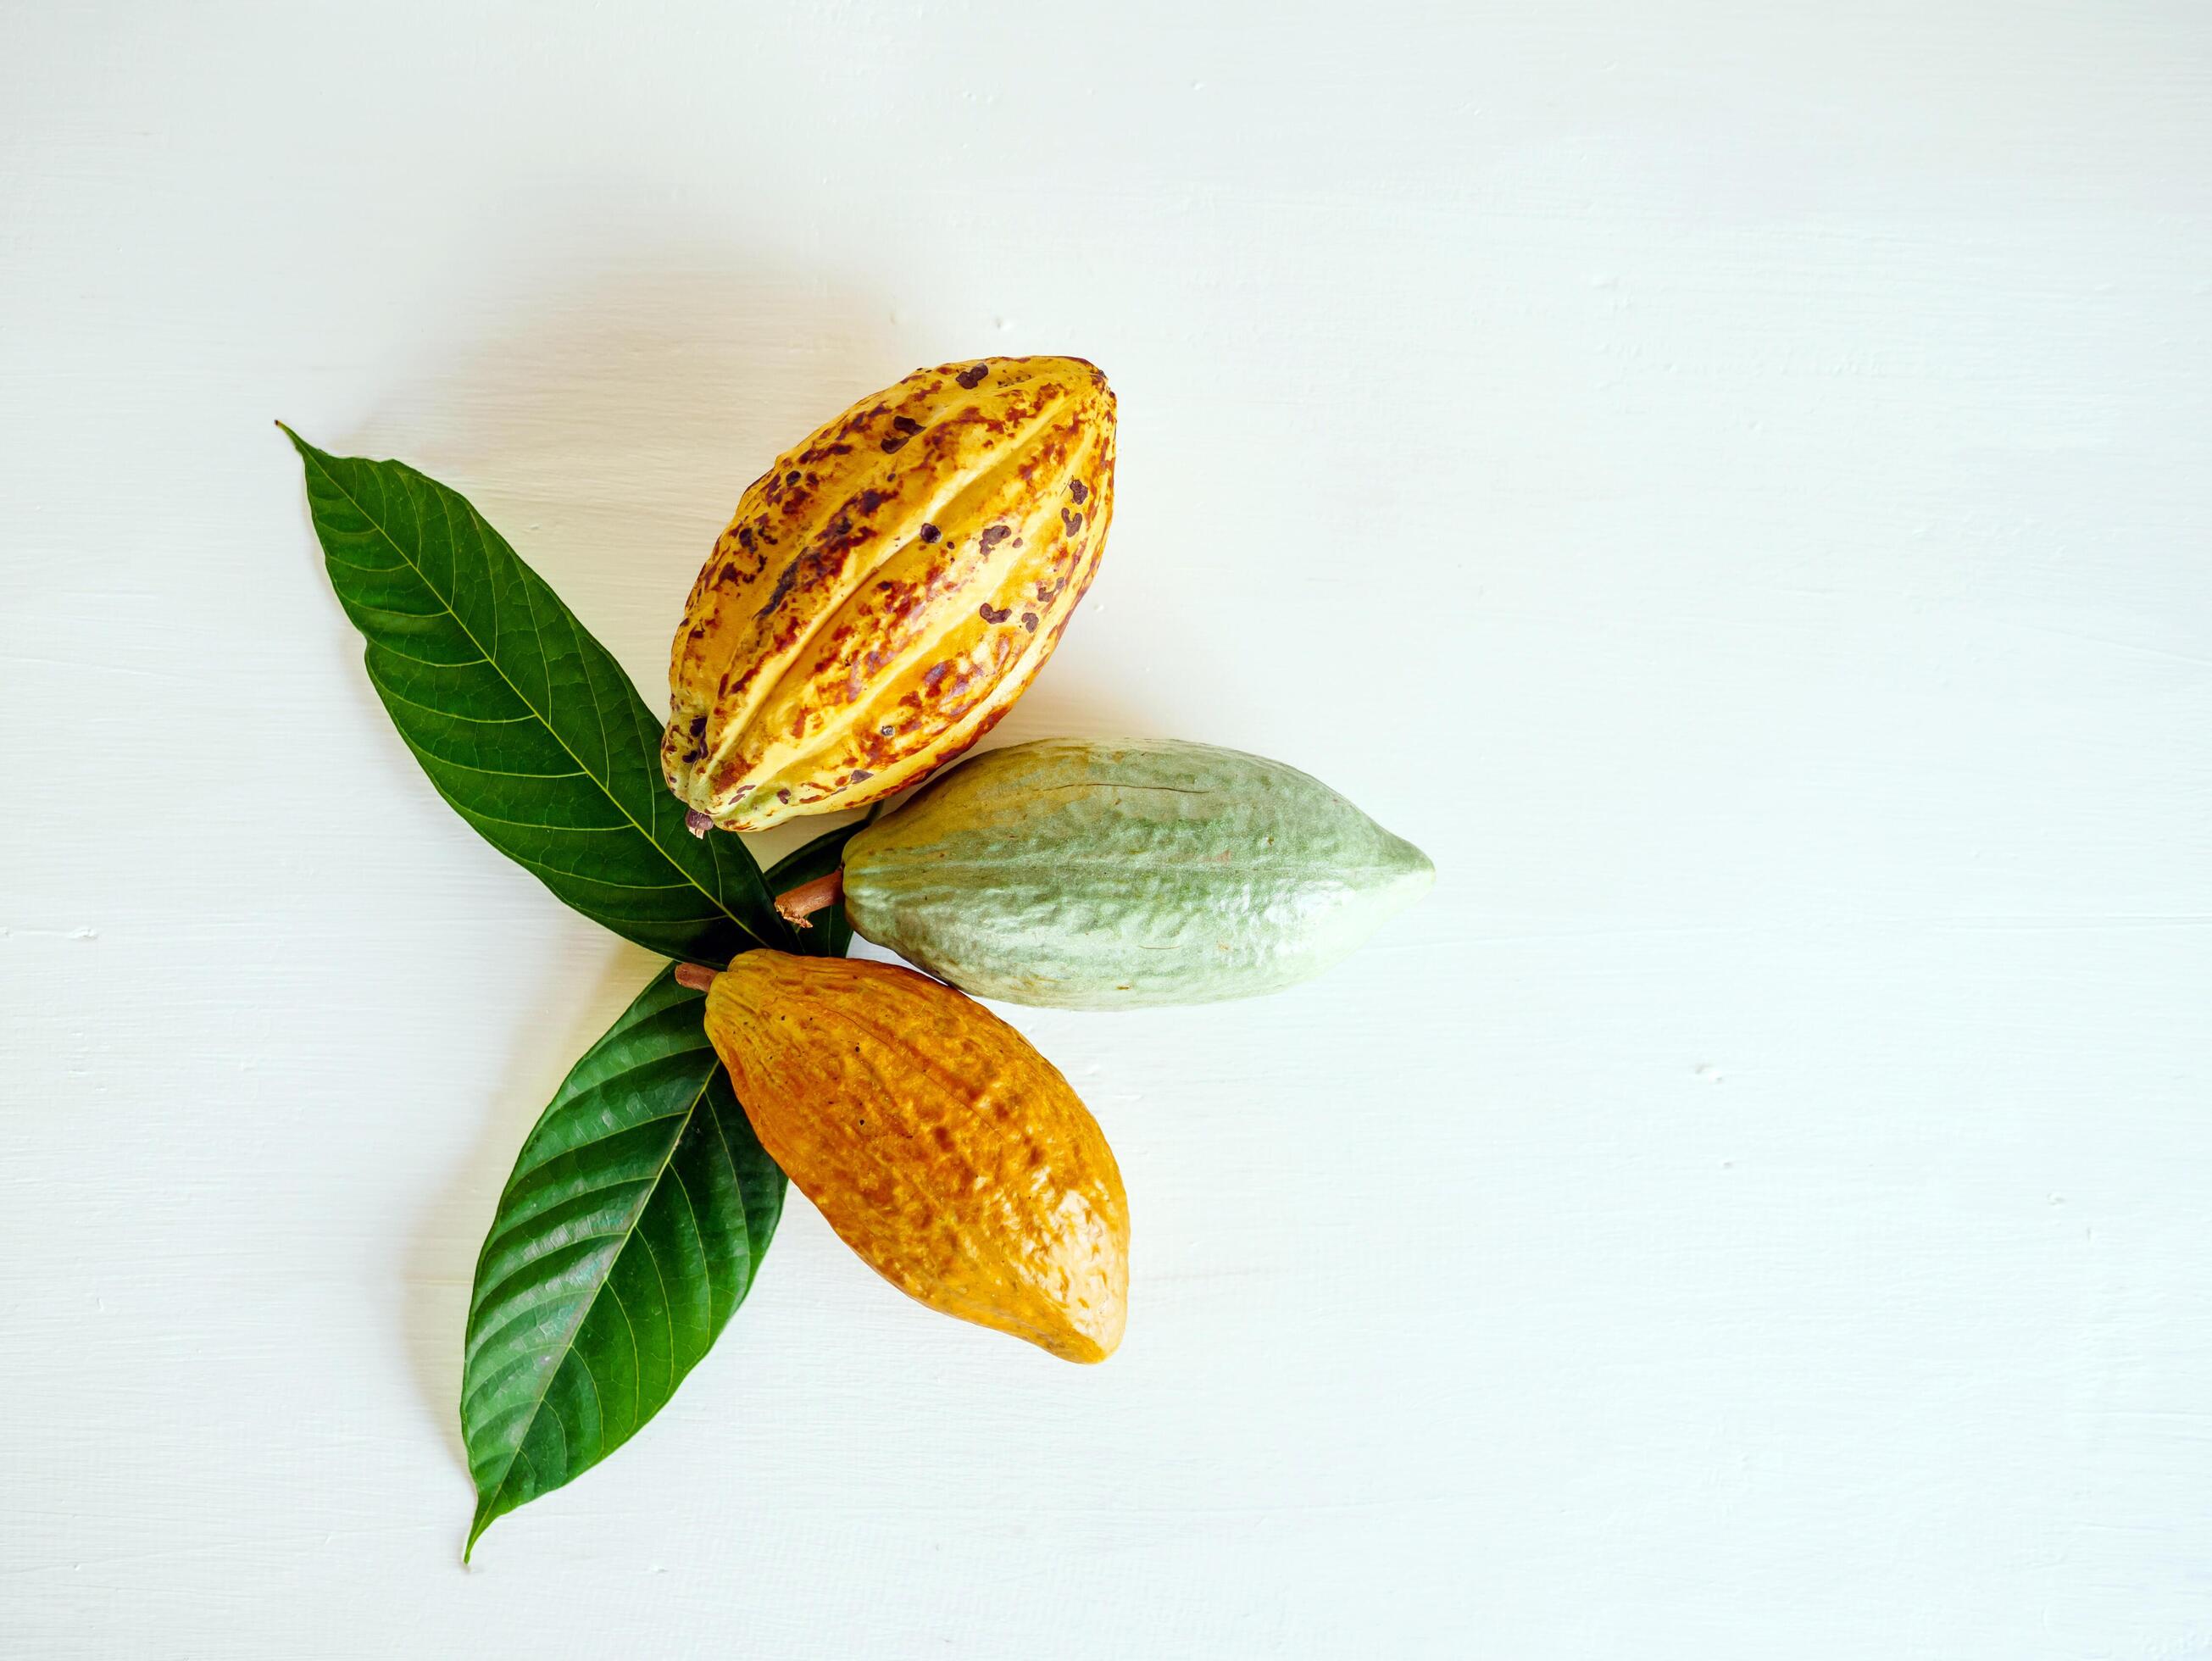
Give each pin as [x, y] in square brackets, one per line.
[887, 589]
[942, 1147]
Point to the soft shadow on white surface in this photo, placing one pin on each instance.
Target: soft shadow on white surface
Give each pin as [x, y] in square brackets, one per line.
[607, 422]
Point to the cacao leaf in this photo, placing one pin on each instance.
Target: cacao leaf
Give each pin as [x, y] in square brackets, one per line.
[525, 724]
[632, 1227]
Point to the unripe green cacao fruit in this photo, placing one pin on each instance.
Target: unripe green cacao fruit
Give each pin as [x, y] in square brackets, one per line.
[1089, 874]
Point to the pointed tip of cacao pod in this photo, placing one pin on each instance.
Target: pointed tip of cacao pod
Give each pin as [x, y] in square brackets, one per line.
[697, 823]
[1091, 1342]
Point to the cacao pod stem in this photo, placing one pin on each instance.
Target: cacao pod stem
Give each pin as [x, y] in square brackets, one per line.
[798, 905]
[697, 975]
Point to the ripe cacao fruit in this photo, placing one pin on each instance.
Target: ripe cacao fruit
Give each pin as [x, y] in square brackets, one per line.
[938, 1144]
[1090, 874]
[887, 589]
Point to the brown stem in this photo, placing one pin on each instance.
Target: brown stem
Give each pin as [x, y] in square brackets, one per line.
[696, 975]
[804, 900]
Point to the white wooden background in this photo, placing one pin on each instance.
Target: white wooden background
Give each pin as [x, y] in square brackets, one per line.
[1731, 480]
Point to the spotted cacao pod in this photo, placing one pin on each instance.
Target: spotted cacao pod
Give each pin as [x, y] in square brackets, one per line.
[887, 589]
[942, 1148]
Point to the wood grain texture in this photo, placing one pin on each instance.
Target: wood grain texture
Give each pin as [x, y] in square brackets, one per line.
[1730, 484]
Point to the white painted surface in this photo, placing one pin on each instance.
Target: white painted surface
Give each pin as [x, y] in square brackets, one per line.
[1733, 482]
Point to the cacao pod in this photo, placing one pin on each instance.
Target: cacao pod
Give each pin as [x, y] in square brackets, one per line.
[887, 589]
[942, 1148]
[1089, 874]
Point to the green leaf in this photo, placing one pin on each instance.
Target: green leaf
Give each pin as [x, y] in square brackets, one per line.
[525, 724]
[631, 1228]
[831, 936]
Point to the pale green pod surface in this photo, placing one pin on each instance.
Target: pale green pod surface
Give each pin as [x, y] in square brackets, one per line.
[1083, 874]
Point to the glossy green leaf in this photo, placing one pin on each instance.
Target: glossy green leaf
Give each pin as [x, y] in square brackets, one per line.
[831, 935]
[631, 1228]
[525, 724]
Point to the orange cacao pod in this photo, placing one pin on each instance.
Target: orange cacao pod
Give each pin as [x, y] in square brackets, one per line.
[942, 1147]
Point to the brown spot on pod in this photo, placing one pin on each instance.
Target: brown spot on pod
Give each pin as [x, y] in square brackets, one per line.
[1079, 491]
[994, 535]
[930, 533]
[906, 424]
[970, 379]
[1029, 621]
[985, 613]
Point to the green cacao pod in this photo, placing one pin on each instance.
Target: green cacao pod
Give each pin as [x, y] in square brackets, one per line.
[1091, 875]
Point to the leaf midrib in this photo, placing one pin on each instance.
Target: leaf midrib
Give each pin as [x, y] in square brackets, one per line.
[584, 1309]
[543, 718]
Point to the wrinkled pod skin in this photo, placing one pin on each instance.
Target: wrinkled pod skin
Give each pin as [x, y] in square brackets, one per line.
[1104, 874]
[942, 1147]
[889, 588]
